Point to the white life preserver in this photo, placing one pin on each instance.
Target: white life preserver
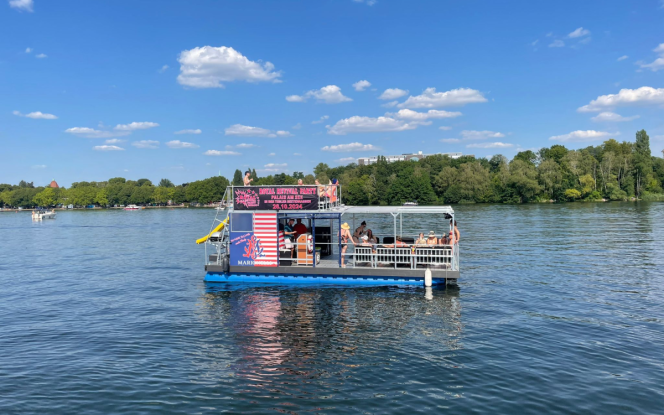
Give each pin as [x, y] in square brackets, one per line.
[310, 244]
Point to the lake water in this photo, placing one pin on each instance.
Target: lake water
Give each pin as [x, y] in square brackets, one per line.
[559, 309]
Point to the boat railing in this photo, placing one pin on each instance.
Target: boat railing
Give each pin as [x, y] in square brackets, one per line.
[413, 257]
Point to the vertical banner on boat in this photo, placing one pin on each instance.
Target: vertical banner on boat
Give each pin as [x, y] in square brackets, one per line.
[265, 231]
[276, 198]
[258, 245]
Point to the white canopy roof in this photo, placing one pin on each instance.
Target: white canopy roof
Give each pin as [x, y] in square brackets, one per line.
[395, 209]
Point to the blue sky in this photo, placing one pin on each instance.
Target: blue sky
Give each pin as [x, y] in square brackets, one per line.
[98, 89]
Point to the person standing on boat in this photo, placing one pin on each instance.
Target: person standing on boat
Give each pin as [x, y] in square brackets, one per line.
[345, 238]
[247, 180]
[457, 234]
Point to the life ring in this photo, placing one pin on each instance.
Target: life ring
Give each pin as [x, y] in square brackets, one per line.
[310, 244]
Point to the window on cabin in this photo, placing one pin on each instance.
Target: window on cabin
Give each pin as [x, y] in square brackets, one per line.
[242, 222]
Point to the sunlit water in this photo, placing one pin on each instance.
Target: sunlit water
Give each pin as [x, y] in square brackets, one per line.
[559, 309]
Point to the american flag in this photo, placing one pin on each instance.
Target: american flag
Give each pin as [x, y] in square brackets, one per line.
[265, 229]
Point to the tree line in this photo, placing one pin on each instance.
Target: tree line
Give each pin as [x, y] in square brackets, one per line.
[610, 171]
[115, 191]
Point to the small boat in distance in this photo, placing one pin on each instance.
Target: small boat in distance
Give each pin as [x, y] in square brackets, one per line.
[132, 207]
[414, 203]
[41, 214]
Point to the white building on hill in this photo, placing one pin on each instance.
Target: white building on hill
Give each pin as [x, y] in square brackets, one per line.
[365, 161]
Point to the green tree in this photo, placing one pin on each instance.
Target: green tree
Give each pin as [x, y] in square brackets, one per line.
[523, 180]
[46, 197]
[101, 198]
[642, 161]
[117, 180]
[166, 183]
[238, 178]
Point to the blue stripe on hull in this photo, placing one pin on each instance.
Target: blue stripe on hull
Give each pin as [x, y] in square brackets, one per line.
[317, 279]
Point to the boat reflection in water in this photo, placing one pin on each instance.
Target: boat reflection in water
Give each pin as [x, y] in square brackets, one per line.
[285, 342]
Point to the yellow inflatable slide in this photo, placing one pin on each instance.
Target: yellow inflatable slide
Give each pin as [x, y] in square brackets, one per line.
[217, 229]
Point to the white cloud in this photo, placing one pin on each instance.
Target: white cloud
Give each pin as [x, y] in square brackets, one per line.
[276, 165]
[361, 85]
[181, 144]
[343, 148]
[114, 141]
[163, 69]
[248, 131]
[455, 97]
[444, 128]
[581, 136]
[41, 56]
[272, 154]
[330, 94]
[357, 124]
[39, 166]
[221, 153]
[655, 65]
[497, 144]
[297, 154]
[450, 140]
[242, 145]
[622, 58]
[190, 131]
[322, 119]
[480, 135]
[92, 133]
[28, 50]
[136, 126]
[658, 63]
[557, 44]
[367, 2]
[297, 126]
[37, 115]
[410, 115]
[151, 144]
[612, 117]
[638, 97]
[580, 32]
[346, 160]
[390, 104]
[22, 5]
[107, 148]
[393, 93]
[208, 67]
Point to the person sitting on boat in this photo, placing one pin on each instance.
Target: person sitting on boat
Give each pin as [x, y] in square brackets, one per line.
[361, 230]
[345, 237]
[364, 241]
[445, 240]
[300, 228]
[247, 180]
[432, 240]
[371, 238]
[421, 240]
[321, 189]
[398, 244]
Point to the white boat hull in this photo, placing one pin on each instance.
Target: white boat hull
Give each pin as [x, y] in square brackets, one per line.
[42, 216]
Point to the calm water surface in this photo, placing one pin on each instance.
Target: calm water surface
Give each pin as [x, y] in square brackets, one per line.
[559, 310]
